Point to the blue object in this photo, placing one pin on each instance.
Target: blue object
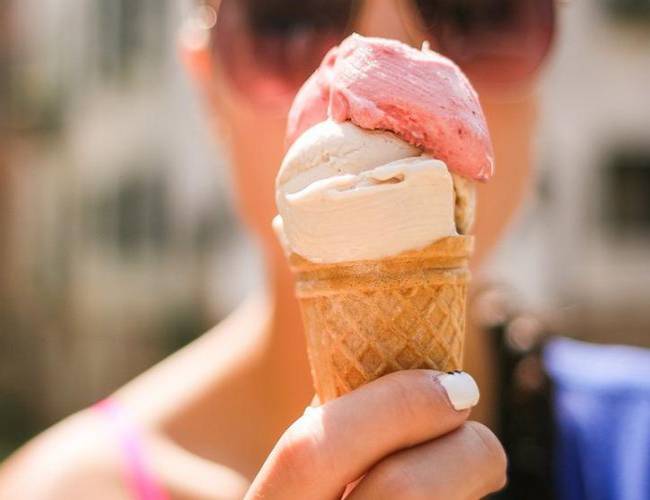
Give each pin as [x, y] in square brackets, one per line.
[602, 413]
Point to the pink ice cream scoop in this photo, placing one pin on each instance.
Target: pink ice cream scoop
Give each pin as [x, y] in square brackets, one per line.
[419, 95]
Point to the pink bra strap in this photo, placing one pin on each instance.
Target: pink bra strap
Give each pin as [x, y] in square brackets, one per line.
[138, 476]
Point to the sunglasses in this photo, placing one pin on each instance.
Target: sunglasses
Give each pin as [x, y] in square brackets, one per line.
[268, 48]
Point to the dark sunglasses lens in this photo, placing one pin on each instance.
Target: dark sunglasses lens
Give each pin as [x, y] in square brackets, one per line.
[495, 41]
[269, 47]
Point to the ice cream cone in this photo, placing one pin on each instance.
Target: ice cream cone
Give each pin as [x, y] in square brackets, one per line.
[365, 319]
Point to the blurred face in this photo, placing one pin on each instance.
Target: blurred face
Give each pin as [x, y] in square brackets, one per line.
[251, 58]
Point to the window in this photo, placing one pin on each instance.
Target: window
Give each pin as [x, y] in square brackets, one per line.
[627, 193]
[131, 33]
[132, 214]
[628, 10]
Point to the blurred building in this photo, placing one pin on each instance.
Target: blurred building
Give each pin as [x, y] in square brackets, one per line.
[119, 244]
[582, 246]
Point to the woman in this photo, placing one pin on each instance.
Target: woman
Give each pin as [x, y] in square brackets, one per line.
[211, 421]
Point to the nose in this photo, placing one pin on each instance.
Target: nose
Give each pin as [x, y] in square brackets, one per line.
[381, 18]
[388, 19]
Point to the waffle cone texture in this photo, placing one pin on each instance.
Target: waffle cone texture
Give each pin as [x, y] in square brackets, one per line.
[365, 319]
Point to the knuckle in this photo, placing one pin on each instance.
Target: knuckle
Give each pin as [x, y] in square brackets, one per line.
[414, 394]
[395, 481]
[298, 448]
[496, 460]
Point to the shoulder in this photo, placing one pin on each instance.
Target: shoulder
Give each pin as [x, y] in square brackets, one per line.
[75, 459]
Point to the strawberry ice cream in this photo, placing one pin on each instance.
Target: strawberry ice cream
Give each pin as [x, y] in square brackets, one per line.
[419, 95]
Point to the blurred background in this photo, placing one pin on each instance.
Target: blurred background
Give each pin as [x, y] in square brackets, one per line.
[118, 242]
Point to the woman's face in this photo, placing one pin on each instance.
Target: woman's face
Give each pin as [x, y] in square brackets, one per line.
[254, 136]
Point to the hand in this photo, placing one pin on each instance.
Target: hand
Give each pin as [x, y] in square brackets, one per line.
[405, 435]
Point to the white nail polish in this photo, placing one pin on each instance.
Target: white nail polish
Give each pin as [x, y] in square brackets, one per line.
[309, 410]
[461, 389]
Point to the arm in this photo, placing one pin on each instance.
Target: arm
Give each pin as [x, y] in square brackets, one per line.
[80, 459]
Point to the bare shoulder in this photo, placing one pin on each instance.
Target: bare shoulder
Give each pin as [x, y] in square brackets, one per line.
[75, 459]
[173, 404]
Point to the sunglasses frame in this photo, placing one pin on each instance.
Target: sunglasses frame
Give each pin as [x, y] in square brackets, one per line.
[203, 24]
[413, 24]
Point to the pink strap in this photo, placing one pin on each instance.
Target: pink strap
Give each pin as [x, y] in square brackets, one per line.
[138, 476]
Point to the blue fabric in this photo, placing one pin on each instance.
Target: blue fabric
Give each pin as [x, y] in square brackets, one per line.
[602, 412]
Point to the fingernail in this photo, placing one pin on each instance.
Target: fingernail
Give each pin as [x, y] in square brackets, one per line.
[308, 410]
[461, 389]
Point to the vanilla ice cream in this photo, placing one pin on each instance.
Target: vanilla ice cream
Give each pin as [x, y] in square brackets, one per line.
[345, 193]
[465, 191]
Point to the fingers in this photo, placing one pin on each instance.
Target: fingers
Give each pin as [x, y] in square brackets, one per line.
[334, 444]
[469, 463]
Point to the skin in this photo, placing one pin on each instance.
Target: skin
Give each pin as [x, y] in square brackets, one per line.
[213, 417]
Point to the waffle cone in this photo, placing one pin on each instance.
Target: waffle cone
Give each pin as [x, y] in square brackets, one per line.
[368, 318]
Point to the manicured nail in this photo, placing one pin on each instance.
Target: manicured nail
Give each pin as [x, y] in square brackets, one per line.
[461, 389]
[308, 410]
